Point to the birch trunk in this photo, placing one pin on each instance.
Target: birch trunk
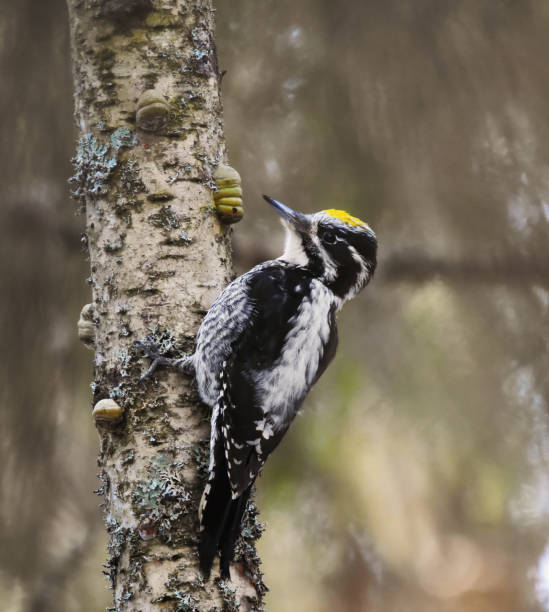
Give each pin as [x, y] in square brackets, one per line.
[158, 258]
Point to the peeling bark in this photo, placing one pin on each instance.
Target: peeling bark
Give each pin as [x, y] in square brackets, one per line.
[158, 258]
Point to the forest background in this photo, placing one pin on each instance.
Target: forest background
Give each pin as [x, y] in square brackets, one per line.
[417, 475]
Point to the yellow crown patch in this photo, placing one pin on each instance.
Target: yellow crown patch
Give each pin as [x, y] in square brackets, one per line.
[345, 217]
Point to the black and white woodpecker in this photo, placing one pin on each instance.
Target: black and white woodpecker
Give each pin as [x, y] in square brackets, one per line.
[262, 345]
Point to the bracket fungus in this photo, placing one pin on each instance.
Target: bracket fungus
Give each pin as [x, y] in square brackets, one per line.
[228, 194]
[107, 411]
[152, 111]
[86, 327]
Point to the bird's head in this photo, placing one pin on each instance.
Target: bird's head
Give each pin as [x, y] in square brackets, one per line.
[334, 246]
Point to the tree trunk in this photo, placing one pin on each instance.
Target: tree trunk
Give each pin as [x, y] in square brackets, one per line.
[148, 107]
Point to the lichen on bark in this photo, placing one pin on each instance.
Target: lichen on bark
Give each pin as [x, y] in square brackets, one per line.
[158, 258]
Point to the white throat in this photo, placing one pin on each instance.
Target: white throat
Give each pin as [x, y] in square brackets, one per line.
[293, 249]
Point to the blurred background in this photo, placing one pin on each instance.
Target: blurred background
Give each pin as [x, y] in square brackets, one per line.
[416, 478]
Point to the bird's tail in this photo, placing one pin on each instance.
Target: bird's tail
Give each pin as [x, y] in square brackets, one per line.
[220, 514]
[221, 517]
[231, 532]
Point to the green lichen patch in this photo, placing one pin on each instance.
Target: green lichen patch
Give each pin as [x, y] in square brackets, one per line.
[180, 239]
[93, 166]
[201, 453]
[230, 602]
[123, 137]
[166, 218]
[127, 456]
[130, 178]
[181, 591]
[124, 331]
[124, 207]
[245, 549]
[179, 171]
[189, 101]
[123, 392]
[117, 543]
[164, 340]
[123, 541]
[162, 498]
[113, 246]
[184, 602]
[157, 437]
[202, 62]
[95, 162]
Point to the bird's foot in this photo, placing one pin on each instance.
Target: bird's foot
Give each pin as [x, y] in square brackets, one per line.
[151, 350]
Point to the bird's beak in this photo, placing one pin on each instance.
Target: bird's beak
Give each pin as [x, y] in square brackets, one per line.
[298, 220]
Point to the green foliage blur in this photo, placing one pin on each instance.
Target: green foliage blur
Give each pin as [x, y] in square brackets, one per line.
[416, 478]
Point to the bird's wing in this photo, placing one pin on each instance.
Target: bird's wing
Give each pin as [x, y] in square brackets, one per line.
[250, 427]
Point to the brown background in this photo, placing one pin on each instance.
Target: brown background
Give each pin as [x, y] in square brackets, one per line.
[416, 478]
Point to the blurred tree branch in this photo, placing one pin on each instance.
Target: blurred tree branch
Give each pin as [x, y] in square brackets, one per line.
[510, 270]
[417, 267]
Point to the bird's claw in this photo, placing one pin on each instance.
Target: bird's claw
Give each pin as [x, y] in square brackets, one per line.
[148, 347]
[150, 370]
[150, 350]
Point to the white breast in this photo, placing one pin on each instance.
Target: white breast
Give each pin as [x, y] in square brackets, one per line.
[285, 384]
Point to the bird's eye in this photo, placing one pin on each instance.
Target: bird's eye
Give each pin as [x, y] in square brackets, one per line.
[328, 238]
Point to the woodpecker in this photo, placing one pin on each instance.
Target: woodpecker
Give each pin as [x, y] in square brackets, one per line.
[263, 344]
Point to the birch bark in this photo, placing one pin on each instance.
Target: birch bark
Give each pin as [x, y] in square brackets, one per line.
[148, 107]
